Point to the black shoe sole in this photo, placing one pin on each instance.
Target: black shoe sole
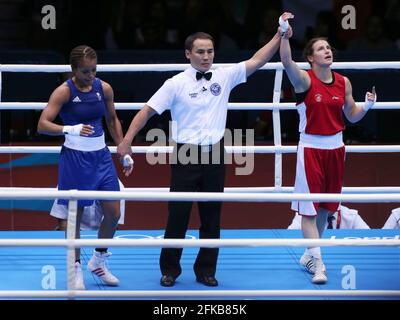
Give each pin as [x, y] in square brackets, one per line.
[169, 283]
[206, 283]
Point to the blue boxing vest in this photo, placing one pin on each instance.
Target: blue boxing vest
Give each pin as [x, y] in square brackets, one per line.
[85, 107]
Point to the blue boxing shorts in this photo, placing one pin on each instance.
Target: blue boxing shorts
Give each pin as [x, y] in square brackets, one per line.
[86, 170]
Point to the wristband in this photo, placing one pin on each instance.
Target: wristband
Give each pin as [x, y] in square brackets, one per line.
[73, 130]
[284, 24]
[127, 160]
[368, 103]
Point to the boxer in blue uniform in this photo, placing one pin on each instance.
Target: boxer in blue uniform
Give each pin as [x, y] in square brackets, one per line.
[85, 161]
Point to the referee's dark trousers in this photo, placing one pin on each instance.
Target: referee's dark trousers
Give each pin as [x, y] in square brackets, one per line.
[192, 177]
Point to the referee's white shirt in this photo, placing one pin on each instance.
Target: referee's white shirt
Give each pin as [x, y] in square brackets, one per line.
[393, 222]
[349, 219]
[198, 107]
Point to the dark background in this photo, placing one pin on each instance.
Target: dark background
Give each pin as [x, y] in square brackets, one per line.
[153, 31]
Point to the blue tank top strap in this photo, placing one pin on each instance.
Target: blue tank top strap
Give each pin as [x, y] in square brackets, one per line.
[72, 89]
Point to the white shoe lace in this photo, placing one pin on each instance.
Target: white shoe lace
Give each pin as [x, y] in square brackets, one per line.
[102, 260]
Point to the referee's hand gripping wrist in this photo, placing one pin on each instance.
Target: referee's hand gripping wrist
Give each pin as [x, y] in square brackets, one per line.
[284, 23]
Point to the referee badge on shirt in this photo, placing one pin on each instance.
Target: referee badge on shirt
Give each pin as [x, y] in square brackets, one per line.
[215, 89]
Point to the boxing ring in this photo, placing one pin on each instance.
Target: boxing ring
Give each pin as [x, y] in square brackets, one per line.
[260, 259]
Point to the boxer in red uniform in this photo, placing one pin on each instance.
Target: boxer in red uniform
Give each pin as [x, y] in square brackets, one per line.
[322, 98]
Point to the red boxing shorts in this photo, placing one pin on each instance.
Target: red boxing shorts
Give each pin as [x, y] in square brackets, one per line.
[318, 171]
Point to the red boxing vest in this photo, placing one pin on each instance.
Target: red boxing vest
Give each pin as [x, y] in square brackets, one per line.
[321, 107]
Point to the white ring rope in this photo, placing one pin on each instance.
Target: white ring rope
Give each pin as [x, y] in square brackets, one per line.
[195, 243]
[11, 193]
[229, 149]
[365, 65]
[347, 190]
[231, 106]
[195, 293]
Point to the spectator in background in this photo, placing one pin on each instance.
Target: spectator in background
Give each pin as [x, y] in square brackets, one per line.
[258, 27]
[213, 17]
[325, 26]
[363, 10]
[344, 218]
[307, 12]
[375, 37]
[259, 23]
[392, 19]
[127, 19]
[393, 222]
[153, 31]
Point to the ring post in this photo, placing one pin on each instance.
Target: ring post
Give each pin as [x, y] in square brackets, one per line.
[71, 234]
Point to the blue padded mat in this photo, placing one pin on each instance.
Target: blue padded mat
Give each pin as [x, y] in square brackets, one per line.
[259, 268]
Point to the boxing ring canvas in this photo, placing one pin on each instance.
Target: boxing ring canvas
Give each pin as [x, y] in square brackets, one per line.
[255, 268]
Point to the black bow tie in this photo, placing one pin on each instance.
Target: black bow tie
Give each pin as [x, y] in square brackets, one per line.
[206, 75]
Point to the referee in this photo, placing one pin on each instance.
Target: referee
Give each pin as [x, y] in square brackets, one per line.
[198, 100]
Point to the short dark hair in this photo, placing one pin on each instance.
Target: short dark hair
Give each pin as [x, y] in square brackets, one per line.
[198, 35]
[79, 53]
[309, 50]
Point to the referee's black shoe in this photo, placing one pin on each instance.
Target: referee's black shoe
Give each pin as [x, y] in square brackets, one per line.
[209, 281]
[167, 281]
